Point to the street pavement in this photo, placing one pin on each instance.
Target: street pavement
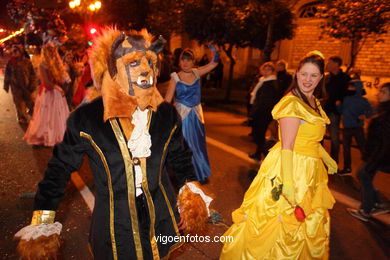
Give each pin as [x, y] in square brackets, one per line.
[22, 166]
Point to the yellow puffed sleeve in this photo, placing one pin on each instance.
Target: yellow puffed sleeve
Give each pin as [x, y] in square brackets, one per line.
[292, 106]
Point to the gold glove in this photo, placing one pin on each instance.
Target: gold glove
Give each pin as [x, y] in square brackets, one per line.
[287, 176]
[329, 162]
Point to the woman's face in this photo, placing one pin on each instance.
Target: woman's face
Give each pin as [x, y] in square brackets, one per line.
[308, 78]
[186, 64]
[266, 71]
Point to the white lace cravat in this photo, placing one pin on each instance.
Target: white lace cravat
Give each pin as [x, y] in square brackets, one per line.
[139, 143]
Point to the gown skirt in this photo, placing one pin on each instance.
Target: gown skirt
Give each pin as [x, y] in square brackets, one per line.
[48, 123]
[194, 134]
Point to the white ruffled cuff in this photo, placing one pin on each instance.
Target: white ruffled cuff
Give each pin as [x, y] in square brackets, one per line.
[207, 200]
[35, 231]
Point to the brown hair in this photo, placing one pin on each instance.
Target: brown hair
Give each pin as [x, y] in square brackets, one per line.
[320, 88]
[187, 54]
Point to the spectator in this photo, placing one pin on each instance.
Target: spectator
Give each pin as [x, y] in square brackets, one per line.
[217, 75]
[284, 78]
[376, 158]
[353, 109]
[336, 88]
[263, 98]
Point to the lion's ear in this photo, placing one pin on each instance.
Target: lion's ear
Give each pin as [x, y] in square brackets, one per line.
[158, 45]
[111, 58]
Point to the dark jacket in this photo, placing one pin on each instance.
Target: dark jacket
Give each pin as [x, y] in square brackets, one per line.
[266, 98]
[284, 81]
[336, 88]
[377, 149]
[114, 220]
[353, 106]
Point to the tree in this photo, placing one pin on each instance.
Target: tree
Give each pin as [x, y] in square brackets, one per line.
[236, 24]
[354, 21]
[126, 14]
[166, 17]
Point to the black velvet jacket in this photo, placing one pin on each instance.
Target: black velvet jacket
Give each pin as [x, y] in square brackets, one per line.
[115, 231]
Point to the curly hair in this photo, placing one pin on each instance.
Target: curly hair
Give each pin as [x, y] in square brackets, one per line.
[54, 63]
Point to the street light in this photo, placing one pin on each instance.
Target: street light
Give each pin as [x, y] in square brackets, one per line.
[92, 7]
[98, 4]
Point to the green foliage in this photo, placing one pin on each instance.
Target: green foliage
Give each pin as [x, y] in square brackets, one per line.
[355, 19]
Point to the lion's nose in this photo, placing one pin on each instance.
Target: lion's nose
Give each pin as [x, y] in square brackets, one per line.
[144, 74]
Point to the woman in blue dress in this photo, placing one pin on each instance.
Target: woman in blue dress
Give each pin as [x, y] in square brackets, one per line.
[185, 86]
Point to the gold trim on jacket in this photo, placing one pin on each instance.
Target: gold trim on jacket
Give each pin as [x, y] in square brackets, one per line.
[130, 186]
[111, 193]
[162, 187]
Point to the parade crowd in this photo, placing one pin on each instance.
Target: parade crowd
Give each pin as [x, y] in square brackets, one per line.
[284, 213]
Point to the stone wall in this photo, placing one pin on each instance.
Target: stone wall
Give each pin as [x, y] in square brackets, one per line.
[374, 58]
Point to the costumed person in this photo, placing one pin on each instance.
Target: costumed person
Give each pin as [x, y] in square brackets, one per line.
[284, 214]
[185, 86]
[82, 82]
[48, 123]
[130, 135]
[20, 76]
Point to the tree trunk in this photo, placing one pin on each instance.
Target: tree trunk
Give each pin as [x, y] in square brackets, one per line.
[269, 43]
[353, 53]
[228, 52]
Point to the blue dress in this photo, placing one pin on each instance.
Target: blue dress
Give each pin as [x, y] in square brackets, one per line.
[189, 107]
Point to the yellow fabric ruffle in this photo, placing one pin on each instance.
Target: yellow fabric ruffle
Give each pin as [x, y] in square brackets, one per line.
[292, 106]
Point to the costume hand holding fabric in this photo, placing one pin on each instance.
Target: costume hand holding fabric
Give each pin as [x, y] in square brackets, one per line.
[329, 162]
[287, 168]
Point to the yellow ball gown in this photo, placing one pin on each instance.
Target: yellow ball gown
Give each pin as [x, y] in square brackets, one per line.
[267, 229]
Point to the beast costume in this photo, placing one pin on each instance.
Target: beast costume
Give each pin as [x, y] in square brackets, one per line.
[129, 135]
[20, 76]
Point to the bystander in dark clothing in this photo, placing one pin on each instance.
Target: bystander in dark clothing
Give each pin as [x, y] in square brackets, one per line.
[336, 88]
[264, 96]
[376, 158]
[284, 78]
[353, 109]
[217, 75]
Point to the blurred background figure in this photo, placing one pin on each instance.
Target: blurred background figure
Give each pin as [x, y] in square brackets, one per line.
[284, 78]
[376, 158]
[48, 123]
[336, 89]
[20, 77]
[216, 76]
[205, 80]
[263, 98]
[354, 109]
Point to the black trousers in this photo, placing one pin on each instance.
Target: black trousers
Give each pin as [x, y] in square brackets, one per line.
[348, 133]
[369, 194]
[144, 225]
[260, 124]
